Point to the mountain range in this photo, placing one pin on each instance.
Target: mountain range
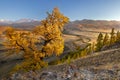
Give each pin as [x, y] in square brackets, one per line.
[22, 23]
[74, 25]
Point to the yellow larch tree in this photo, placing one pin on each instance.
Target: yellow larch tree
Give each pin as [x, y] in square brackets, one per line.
[50, 31]
[45, 40]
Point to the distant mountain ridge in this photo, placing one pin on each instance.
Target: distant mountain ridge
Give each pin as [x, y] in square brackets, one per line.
[25, 20]
[74, 25]
[17, 21]
[91, 25]
[5, 22]
[22, 23]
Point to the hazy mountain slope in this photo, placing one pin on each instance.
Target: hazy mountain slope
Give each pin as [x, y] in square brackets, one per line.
[92, 25]
[26, 25]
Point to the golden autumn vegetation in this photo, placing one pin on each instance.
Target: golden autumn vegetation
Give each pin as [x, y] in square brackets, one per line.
[45, 40]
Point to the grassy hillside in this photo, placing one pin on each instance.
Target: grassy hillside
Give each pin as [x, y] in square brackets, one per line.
[104, 65]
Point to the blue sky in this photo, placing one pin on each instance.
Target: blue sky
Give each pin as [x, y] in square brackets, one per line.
[74, 9]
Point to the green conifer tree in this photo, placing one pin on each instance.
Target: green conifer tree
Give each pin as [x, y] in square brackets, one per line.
[118, 36]
[113, 37]
[106, 40]
[99, 44]
[92, 47]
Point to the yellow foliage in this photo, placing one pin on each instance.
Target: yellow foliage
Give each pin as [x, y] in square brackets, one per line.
[45, 40]
[50, 31]
[30, 64]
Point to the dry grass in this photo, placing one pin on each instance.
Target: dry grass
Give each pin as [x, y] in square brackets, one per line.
[105, 59]
[68, 38]
[108, 59]
[8, 62]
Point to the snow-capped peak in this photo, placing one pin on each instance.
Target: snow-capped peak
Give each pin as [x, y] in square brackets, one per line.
[25, 20]
[2, 20]
[5, 21]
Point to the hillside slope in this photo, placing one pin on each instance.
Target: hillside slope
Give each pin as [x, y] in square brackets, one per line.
[104, 65]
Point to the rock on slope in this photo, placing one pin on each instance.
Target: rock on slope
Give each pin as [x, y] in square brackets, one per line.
[104, 65]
